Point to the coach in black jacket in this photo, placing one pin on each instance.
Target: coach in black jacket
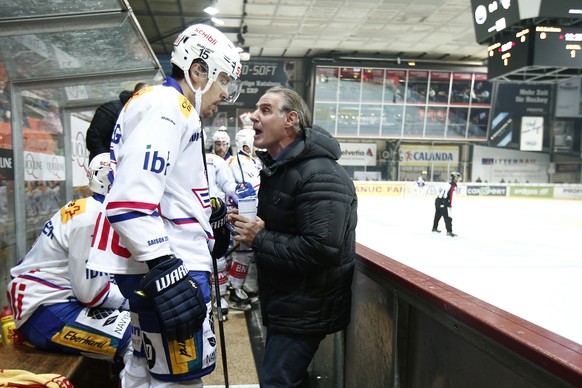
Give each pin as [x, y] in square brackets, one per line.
[303, 238]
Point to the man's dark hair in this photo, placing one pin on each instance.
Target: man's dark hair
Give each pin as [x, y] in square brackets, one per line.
[178, 74]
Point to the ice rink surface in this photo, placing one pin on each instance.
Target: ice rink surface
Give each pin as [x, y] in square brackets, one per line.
[521, 255]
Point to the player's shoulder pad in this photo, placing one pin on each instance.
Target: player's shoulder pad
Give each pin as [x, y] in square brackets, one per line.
[72, 209]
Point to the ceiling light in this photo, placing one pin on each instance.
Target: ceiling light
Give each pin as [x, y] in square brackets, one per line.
[212, 9]
[217, 21]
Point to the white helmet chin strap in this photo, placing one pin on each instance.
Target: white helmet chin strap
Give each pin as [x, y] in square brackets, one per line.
[197, 92]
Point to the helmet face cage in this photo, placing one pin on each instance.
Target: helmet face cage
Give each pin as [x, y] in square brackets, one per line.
[204, 42]
[245, 137]
[98, 174]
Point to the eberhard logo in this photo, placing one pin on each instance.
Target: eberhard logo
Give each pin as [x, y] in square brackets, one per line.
[83, 340]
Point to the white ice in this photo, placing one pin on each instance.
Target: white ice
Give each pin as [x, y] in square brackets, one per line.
[521, 255]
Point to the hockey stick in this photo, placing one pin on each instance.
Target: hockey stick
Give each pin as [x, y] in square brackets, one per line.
[232, 249]
[220, 323]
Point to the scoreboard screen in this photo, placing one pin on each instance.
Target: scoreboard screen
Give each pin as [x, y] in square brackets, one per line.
[511, 53]
[493, 16]
[561, 8]
[558, 46]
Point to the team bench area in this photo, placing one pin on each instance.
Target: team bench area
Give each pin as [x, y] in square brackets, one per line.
[83, 372]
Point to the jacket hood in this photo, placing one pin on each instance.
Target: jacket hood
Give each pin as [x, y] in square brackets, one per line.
[317, 142]
[124, 96]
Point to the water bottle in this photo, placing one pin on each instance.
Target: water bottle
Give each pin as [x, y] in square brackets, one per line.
[8, 325]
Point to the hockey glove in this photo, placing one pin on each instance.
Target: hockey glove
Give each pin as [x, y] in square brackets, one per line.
[243, 190]
[219, 223]
[177, 298]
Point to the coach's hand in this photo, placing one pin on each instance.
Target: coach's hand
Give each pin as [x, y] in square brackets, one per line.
[177, 298]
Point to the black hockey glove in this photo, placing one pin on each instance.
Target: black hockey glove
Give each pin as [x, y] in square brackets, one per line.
[177, 298]
[219, 223]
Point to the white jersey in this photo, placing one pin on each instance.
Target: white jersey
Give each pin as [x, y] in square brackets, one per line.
[220, 179]
[54, 271]
[158, 203]
[246, 168]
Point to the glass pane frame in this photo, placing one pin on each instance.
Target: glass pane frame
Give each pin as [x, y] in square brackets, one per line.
[75, 62]
[43, 8]
[105, 43]
[408, 108]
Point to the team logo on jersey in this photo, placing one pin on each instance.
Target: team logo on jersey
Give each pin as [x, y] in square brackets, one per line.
[116, 134]
[72, 209]
[185, 106]
[154, 162]
[49, 229]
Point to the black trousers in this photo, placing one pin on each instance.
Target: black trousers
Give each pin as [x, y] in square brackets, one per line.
[442, 210]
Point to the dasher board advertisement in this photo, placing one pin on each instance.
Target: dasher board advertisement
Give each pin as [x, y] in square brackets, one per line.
[358, 154]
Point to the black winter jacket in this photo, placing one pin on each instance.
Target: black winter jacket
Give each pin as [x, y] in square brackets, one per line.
[305, 255]
[102, 124]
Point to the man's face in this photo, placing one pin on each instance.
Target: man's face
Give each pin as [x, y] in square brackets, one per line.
[214, 96]
[220, 148]
[269, 124]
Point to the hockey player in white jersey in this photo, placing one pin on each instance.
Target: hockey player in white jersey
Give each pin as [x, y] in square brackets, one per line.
[244, 165]
[58, 304]
[221, 184]
[156, 227]
[221, 144]
[246, 169]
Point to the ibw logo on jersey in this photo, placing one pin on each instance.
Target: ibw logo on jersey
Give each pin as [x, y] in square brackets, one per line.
[154, 162]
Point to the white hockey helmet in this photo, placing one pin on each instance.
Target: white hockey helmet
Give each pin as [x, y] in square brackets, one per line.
[245, 137]
[222, 136]
[204, 42]
[456, 174]
[98, 174]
